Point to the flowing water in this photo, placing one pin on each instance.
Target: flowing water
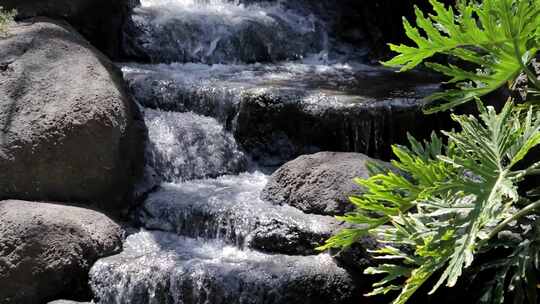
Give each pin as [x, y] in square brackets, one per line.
[183, 146]
[162, 268]
[215, 31]
[228, 88]
[229, 209]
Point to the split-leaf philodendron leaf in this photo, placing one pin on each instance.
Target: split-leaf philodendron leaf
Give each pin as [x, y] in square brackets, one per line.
[494, 39]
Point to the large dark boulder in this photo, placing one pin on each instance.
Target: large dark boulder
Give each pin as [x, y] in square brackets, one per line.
[46, 250]
[318, 183]
[100, 21]
[67, 130]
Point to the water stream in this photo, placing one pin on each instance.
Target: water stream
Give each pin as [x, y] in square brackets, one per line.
[229, 88]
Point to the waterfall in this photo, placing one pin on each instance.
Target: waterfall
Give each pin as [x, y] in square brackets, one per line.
[161, 268]
[184, 146]
[222, 31]
[229, 91]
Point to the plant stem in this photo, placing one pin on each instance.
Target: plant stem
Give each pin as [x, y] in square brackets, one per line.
[528, 72]
[517, 52]
[531, 76]
[515, 217]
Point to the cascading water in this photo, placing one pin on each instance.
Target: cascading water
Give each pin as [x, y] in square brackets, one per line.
[278, 86]
[162, 268]
[217, 31]
[184, 146]
[229, 209]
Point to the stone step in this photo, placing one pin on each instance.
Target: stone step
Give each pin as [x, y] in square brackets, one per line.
[229, 209]
[280, 111]
[163, 268]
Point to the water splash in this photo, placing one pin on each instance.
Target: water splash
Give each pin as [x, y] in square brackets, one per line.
[211, 222]
[272, 108]
[162, 268]
[325, 85]
[214, 31]
[184, 146]
[229, 209]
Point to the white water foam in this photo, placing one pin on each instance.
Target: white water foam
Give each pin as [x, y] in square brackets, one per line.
[184, 146]
[216, 31]
[162, 268]
[229, 208]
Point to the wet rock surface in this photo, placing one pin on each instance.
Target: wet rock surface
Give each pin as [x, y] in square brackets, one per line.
[46, 250]
[318, 183]
[164, 268]
[280, 111]
[68, 132]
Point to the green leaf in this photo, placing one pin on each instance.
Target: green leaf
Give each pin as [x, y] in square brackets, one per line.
[418, 277]
[518, 271]
[494, 37]
[391, 193]
[449, 202]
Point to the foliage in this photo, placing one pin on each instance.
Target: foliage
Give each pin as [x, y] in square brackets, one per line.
[515, 272]
[448, 203]
[6, 17]
[496, 39]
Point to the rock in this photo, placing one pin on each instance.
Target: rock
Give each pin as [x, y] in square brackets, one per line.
[357, 257]
[158, 267]
[318, 183]
[46, 250]
[357, 109]
[100, 21]
[68, 132]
